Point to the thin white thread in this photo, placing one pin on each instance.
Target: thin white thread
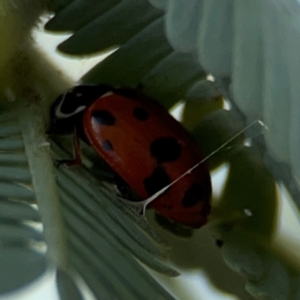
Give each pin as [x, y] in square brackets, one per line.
[142, 205]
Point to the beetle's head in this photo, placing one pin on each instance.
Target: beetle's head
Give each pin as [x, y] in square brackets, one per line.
[68, 108]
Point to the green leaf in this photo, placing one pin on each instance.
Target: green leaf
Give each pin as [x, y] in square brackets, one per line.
[249, 195]
[134, 59]
[79, 13]
[103, 32]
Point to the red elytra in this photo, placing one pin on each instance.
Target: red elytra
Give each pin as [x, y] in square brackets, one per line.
[144, 145]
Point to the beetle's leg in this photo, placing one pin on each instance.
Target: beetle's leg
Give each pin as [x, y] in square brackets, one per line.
[77, 152]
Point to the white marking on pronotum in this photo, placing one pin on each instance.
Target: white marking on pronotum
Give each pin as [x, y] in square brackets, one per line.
[60, 115]
[142, 205]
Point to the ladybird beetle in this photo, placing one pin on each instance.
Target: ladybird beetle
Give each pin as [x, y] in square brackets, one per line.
[143, 144]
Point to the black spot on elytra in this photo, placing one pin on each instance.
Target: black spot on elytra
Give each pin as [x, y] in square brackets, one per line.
[107, 145]
[165, 149]
[193, 196]
[103, 117]
[219, 243]
[140, 114]
[156, 181]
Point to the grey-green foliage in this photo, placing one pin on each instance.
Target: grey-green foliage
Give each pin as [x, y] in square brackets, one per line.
[145, 59]
[254, 46]
[22, 252]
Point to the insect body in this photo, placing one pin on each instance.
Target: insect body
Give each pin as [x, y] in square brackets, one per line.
[143, 144]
